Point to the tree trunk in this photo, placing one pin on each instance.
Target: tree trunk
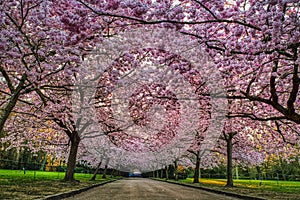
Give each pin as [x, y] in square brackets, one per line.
[69, 176]
[42, 168]
[167, 172]
[161, 173]
[105, 171]
[176, 170]
[112, 173]
[197, 170]
[96, 171]
[229, 159]
[237, 172]
[12, 102]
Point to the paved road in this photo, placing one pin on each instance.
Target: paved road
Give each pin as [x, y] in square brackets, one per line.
[146, 189]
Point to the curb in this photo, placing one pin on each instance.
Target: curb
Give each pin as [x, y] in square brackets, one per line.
[246, 197]
[73, 192]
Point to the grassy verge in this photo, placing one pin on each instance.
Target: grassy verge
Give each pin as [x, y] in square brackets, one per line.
[14, 184]
[277, 186]
[266, 189]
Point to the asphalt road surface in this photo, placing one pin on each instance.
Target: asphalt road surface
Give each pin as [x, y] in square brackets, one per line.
[145, 189]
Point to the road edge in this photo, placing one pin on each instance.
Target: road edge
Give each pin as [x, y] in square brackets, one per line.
[246, 197]
[74, 192]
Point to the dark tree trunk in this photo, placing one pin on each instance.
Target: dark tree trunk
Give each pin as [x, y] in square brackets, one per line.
[161, 173]
[69, 176]
[229, 143]
[197, 169]
[12, 102]
[157, 176]
[175, 170]
[229, 165]
[105, 171]
[42, 168]
[112, 173]
[167, 172]
[96, 171]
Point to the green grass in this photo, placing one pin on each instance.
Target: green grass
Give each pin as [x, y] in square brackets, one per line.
[268, 189]
[14, 184]
[271, 185]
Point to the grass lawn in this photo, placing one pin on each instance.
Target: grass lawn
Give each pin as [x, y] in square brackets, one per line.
[267, 188]
[278, 186]
[14, 184]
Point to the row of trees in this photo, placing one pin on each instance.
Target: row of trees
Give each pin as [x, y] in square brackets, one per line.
[254, 44]
[273, 169]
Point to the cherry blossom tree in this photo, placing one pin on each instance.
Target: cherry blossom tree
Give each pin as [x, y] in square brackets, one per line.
[247, 143]
[41, 42]
[149, 120]
[196, 152]
[254, 44]
[237, 144]
[28, 60]
[96, 151]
